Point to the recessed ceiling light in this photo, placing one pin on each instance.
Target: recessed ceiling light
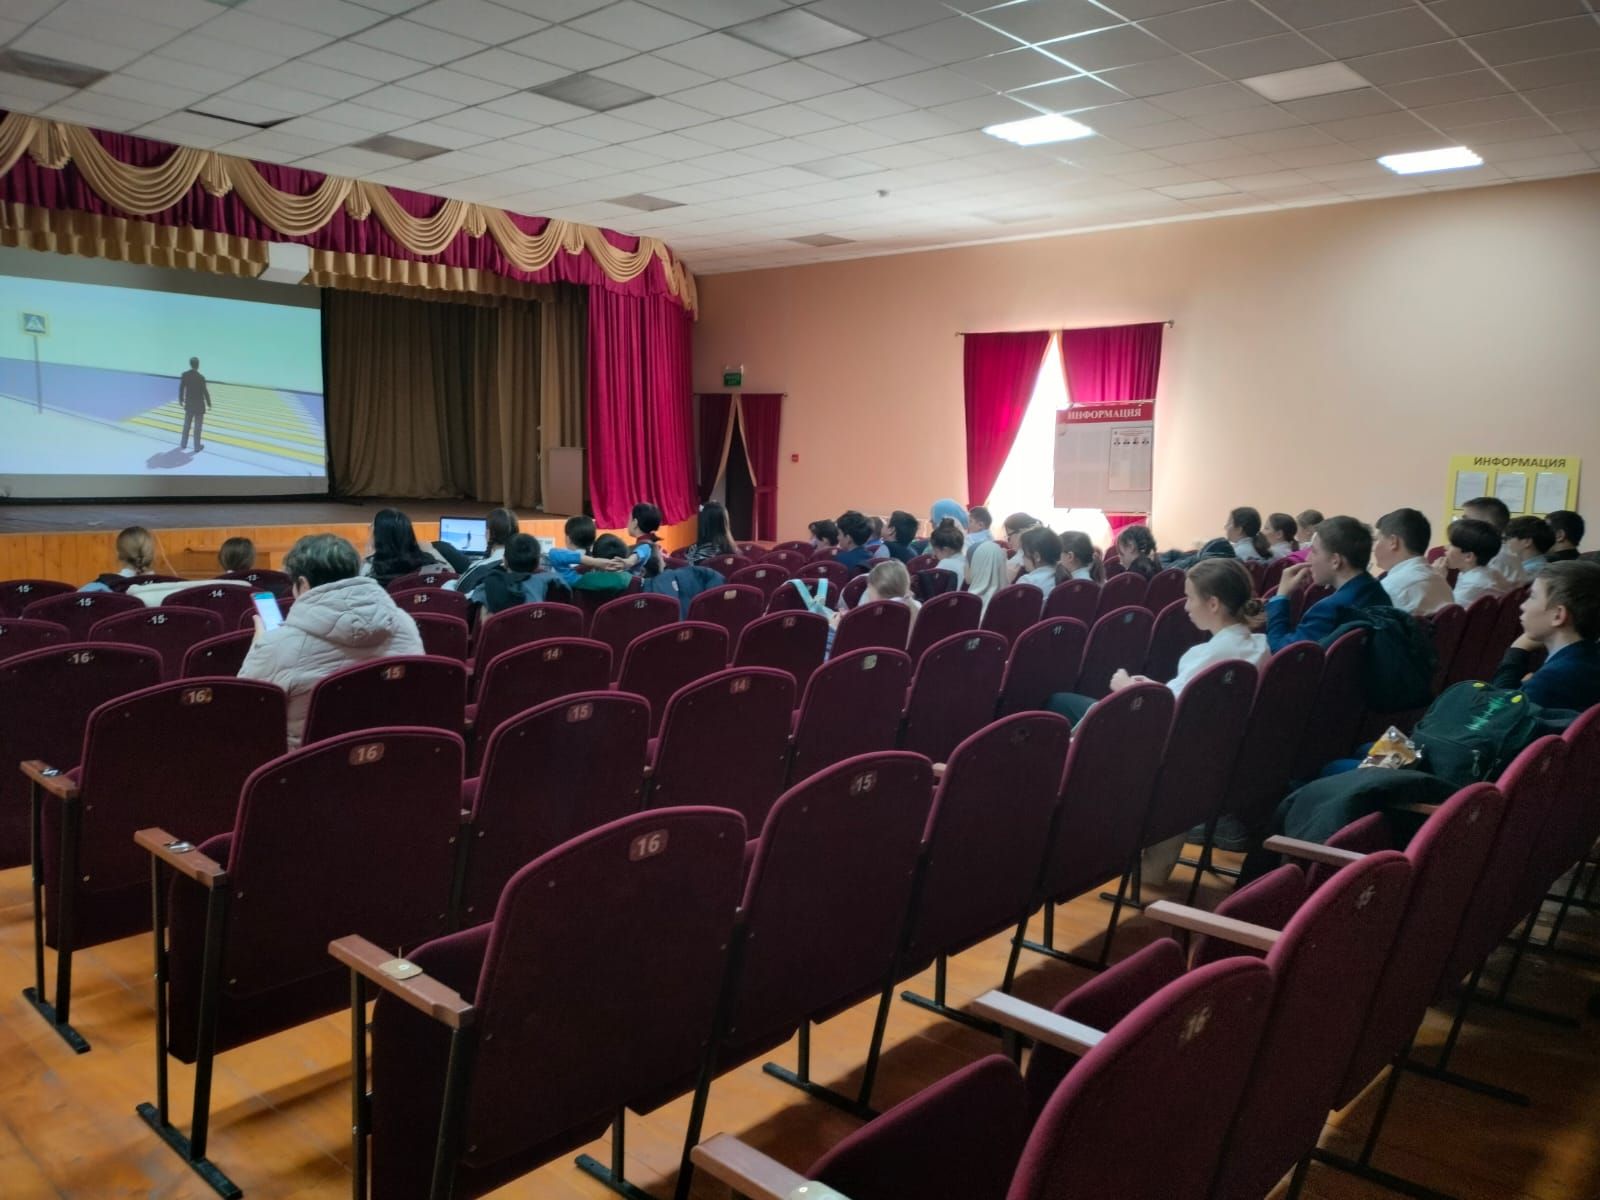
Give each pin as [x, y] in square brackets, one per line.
[1037, 131]
[50, 70]
[1452, 158]
[821, 239]
[795, 33]
[591, 92]
[399, 147]
[645, 203]
[1321, 80]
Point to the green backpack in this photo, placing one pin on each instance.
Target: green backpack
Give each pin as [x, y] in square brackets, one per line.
[1472, 731]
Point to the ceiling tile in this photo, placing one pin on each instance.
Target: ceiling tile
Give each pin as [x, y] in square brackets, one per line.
[727, 135]
[663, 114]
[1381, 125]
[365, 117]
[1417, 62]
[1373, 35]
[1539, 147]
[337, 18]
[926, 88]
[142, 91]
[1496, 131]
[449, 137]
[794, 33]
[793, 81]
[1565, 97]
[1126, 114]
[725, 99]
[652, 74]
[1549, 72]
[476, 19]
[1264, 56]
[1014, 69]
[539, 109]
[1480, 16]
[1248, 120]
[1536, 168]
[720, 55]
[419, 106]
[1468, 85]
[1170, 133]
[550, 10]
[856, 104]
[1119, 46]
[555, 141]
[1361, 103]
[563, 47]
[1320, 156]
[455, 85]
[366, 61]
[1214, 25]
[234, 60]
[109, 27]
[1538, 41]
[1160, 77]
[1476, 112]
[1295, 137]
[301, 75]
[1217, 97]
[1068, 95]
[266, 95]
[881, 17]
[417, 41]
[868, 62]
[951, 40]
[1046, 20]
[637, 25]
[246, 29]
[511, 70]
[1304, 13]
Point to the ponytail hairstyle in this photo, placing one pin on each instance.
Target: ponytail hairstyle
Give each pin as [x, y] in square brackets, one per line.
[1230, 583]
[1041, 543]
[1287, 526]
[1140, 539]
[136, 549]
[1083, 550]
[1249, 522]
[947, 536]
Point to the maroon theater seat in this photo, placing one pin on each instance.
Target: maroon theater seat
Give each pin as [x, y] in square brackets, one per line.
[519, 625]
[825, 568]
[877, 625]
[617, 622]
[431, 577]
[1075, 598]
[943, 616]
[726, 564]
[851, 706]
[1483, 614]
[92, 884]
[658, 663]
[18, 635]
[1341, 704]
[1165, 587]
[442, 636]
[1449, 625]
[732, 606]
[527, 676]
[1012, 610]
[953, 693]
[17, 594]
[1044, 660]
[442, 601]
[787, 641]
[1121, 591]
[220, 655]
[765, 577]
[1172, 636]
[262, 580]
[414, 690]
[790, 560]
[78, 611]
[231, 602]
[168, 630]
[1120, 640]
[850, 597]
[550, 773]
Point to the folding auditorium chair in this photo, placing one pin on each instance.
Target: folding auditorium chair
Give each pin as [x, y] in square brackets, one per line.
[726, 736]
[1013, 609]
[17, 594]
[530, 675]
[46, 697]
[442, 636]
[790, 559]
[414, 690]
[878, 625]
[1482, 616]
[1309, 594]
[123, 582]
[1172, 635]
[428, 577]
[1165, 587]
[940, 617]
[18, 635]
[732, 606]
[617, 622]
[231, 602]
[803, 548]
[1131, 1119]
[921, 563]
[983, 847]
[1105, 794]
[1577, 828]
[791, 641]
[852, 705]
[785, 599]
[1118, 640]
[550, 773]
[954, 691]
[168, 630]
[1075, 598]
[78, 611]
[433, 600]
[1335, 727]
[519, 625]
[1271, 574]
[1205, 740]
[1447, 625]
[220, 655]
[1506, 629]
[825, 568]
[90, 882]
[1044, 660]
[1125, 589]
[1447, 857]
[357, 832]
[850, 595]
[562, 994]
[726, 564]
[765, 577]
[838, 853]
[1326, 963]
[263, 580]
[658, 663]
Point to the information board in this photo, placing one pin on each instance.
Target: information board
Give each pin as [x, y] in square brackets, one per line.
[1104, 456]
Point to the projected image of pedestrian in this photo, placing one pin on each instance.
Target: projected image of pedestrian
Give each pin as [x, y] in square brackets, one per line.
[195, 399]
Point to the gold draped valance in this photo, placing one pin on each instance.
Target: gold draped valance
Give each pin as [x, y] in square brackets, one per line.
[143, 191]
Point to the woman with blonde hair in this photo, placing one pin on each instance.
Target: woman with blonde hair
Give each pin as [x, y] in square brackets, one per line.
[136, 551]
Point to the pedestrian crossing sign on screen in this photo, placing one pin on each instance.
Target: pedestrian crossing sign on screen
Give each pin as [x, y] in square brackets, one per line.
[35, 323]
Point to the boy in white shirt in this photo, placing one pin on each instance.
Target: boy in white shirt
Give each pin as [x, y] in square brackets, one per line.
[1473, 545]
[1493, 512]
[1529, 540]
[979, 527]
[1401, 542]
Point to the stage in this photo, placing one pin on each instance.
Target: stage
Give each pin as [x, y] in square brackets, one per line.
[75, 542]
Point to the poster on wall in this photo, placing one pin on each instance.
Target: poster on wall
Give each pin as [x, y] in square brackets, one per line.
[1104, 456]
[1529, 484]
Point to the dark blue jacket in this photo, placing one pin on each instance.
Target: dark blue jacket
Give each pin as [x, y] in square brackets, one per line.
[1326, 615]
[683, 584]
[1570, 678]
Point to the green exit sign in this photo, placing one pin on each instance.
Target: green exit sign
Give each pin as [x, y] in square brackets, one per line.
[733, 378]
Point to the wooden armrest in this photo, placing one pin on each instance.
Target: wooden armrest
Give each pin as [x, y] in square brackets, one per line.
[182, 857]
[1328, 856]
[1242, 933]
[1421, 810]
[417, 989]
[751, 1173]
[50, 779]
[1040, 1024]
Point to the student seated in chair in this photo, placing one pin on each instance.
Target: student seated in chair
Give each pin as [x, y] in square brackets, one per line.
[1243, 529]
[946, 544]
[580, 534]
[1493, 511]
[980, 522]
[1399, 549]
[515, 578]
[1568, 528]
[1473, 546]
[1136, 546]
[1562, 615]
[855, 532]
[901, 532]
[1340, 551]
[608, 548]
[1529, 540]
[1280, 531]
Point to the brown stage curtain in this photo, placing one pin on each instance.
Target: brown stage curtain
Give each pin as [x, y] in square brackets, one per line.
[435, 400]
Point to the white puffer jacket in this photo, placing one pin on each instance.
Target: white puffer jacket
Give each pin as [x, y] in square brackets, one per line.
[330, 627]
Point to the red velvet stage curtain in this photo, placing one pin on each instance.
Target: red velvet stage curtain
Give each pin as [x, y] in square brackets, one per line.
[760, 416]
[1000, 370]
[1111, 365]
[1120, 521]
[640, 425]
[716, 417]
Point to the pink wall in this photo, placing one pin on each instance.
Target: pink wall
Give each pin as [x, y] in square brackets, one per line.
[1329, 357]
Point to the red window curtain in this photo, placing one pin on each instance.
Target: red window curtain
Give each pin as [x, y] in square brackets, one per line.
[1000, 370]
[640, 425]
[1112, 365]
[759, 418]
[1120, 521]
[716, 423]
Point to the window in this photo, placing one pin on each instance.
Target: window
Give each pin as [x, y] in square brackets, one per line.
[1027, 481]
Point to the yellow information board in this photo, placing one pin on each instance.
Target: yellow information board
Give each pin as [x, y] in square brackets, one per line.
[1530, 484]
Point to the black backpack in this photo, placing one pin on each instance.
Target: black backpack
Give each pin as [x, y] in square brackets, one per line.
[1400, 661]
[1473, 731]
